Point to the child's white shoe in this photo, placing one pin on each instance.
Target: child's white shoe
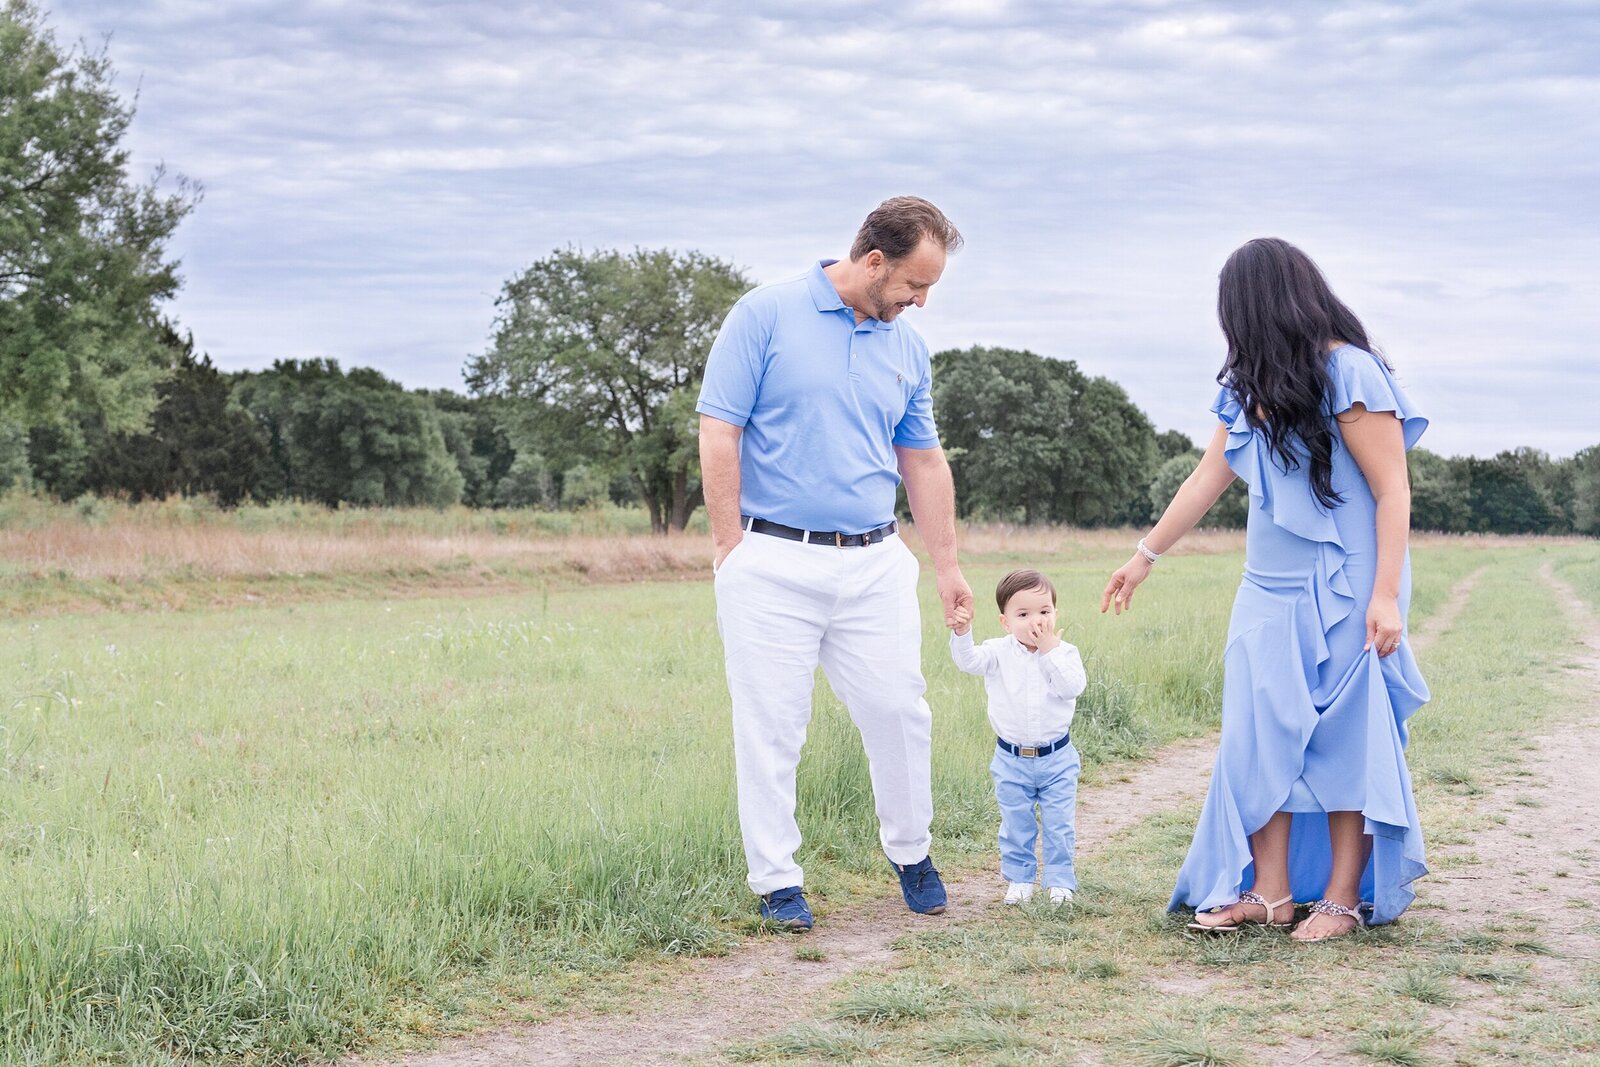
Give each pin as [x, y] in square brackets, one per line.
[1059, 894]
[1017, 892]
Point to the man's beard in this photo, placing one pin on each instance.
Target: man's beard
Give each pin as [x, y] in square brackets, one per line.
[881, 310]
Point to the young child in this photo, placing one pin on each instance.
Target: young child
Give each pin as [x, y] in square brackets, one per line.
[1033, 679]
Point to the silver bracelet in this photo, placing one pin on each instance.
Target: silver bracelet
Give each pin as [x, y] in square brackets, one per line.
[1150, 554]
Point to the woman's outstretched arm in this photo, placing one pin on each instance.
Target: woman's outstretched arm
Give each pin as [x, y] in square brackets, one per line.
[1189, 504]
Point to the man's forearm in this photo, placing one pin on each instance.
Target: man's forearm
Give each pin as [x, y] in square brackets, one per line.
[931, 492]
[719, 474]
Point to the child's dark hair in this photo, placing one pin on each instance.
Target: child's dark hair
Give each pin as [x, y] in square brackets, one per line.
[1020, 582]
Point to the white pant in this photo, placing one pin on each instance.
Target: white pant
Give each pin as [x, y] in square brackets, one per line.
[783, 607]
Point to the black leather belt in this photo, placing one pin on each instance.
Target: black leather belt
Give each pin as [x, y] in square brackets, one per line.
[1030, 751]
[830, 538]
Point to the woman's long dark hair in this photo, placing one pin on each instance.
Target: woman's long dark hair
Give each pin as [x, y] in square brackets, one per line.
[1279, 317]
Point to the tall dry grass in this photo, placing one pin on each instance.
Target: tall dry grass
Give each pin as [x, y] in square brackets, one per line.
[146, 553]
[188, 540]
[50, 549]
[178, 541]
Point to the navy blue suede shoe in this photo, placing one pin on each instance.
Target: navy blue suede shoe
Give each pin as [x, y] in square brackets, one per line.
[787, 908]
[920, 885]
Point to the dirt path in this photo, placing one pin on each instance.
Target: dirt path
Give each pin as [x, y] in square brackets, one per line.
[1539, 847]
[1546, 851]
[1439, 623]
[707, 1004]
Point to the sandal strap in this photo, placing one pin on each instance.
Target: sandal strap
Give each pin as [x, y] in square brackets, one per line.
[1271, 907]
[1333, 907]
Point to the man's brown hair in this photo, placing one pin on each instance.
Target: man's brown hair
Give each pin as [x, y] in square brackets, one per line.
[1020, 582]
[896, 226]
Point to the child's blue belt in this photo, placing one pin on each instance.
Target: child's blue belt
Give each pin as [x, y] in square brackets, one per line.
[1030, 751]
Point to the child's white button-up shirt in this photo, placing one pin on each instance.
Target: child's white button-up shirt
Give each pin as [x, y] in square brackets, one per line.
[1032, 695]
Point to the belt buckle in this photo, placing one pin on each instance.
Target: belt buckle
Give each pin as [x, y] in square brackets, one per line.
[1027, 751]
[838, 539]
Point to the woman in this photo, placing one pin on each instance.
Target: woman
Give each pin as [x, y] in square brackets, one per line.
[1310, 797]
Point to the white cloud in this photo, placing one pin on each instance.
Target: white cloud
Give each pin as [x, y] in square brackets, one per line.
[375, 171]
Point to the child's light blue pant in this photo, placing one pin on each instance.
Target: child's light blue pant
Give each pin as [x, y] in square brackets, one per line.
[1049, 783]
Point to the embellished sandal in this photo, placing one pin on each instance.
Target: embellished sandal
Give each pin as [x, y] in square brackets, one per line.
[1333, 908]
[1235, 925]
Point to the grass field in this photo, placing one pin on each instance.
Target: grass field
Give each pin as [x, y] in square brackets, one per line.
[1116, 975]
[366, 811]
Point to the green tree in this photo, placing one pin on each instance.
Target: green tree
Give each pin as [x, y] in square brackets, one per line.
[1585, 467]
[1002, 415]
[1171, 443]
[526, 484]
[14, 470]
[83, 262]
[1440, 492]
[475, 434]
[1550, 479]
[601, 356]
[1036, 439]
[583, 487]
[1231, 511]
[354, 438]
[1112, 451]
[199, 441]
[1503, 498]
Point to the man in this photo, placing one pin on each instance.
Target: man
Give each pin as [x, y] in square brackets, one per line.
[816, 405]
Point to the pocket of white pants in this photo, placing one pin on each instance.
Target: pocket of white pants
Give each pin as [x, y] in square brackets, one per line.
[718, 568]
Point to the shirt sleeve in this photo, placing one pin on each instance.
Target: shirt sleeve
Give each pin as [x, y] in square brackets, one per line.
[735, 365]
[1356, 376]
[1063, 671]
[1226, 406]
[970, 657]
[916, 428]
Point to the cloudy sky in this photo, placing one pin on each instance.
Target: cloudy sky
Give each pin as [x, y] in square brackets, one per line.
[375, 170]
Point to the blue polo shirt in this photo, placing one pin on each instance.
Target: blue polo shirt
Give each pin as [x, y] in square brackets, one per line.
[823, 402]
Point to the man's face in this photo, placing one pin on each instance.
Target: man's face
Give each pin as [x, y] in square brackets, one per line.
[898, 283]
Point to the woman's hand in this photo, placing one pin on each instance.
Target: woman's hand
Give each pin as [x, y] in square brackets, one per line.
[1383, 625]
[1126, 578]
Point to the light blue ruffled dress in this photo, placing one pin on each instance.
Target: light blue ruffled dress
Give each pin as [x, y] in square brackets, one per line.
[1310, 722]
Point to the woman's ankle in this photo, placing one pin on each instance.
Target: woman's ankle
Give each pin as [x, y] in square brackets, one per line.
[1350, 898]
[1271, 892]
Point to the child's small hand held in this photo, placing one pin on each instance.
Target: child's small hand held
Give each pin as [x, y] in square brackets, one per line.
[962, 620]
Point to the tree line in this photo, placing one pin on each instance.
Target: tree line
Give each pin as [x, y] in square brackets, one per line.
[585, 393]
[1031, 439]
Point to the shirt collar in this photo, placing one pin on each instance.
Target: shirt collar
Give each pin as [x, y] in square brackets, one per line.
[823, 294]
[827, 298]
[1017, 646]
